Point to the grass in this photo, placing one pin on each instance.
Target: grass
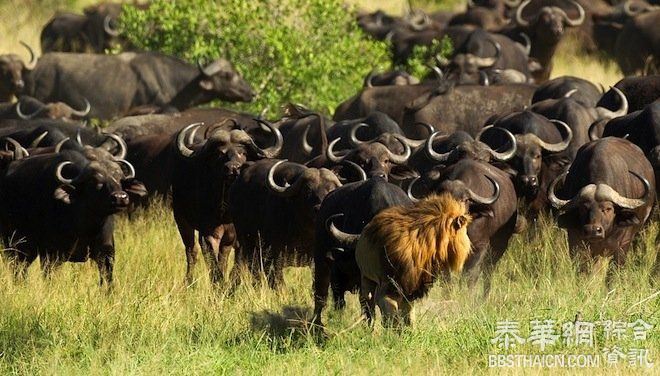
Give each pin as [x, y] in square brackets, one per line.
[152, 324]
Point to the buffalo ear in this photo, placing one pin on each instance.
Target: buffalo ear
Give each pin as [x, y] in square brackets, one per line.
[481, 211]
[567, 220]
[401, 172]
[505, 167]
[625, 218]
[534, 65]
[134, 188]
[206, 84]
[63, 193]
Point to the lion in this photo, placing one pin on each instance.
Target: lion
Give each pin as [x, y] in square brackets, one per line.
[402, 251]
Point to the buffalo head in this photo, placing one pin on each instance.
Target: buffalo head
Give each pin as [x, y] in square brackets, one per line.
[597, 208]
[225, 149]
[223, 81]
[548, 22]
[104, 184]
[12, 73]
[293, 180]
[374, 157]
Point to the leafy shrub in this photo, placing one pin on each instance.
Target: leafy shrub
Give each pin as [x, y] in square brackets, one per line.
[306, 51]
[425, 56]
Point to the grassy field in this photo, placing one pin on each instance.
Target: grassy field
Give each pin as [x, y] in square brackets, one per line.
[153, 324]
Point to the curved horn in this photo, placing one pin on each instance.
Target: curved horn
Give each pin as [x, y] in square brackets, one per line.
[342, 237]
[22, 115]
[410, 188]
[593, 131]
[552, 197]
[519, 18]
[605, 113]
[367, 80]
[512, 3]
[123, 148]
[570, 93]
[307, 148]
[417, 143]
[19, 151]
[181, 139]
[624, 202]
[438, 157]
[505, 155]
[437, 71]
[354, 141]
[486, 200]
[59, 145]
[484, 81]
[85, 112]
[79, 138]
[58, 173]
[581, 17]
[627, 9]
[528, 43]
[272, 151]
[131, 169]
[562, 145]
[38, 140]
[33, 59]
[486, 62]
[108, 28]
[363, 175]
[271, 179]
[400, 159]
[330, 154]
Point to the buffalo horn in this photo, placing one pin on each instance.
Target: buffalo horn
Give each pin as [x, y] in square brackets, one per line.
[344, 238]
[181, 139]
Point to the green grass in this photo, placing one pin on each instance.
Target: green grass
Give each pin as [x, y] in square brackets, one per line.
[152, 324]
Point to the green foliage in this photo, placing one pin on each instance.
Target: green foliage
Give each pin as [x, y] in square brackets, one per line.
[425, 56]
[306, 51]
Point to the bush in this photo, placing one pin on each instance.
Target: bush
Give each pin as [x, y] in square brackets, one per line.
[306, 51]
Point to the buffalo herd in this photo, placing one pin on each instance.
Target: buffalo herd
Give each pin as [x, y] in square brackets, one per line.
[411, 179]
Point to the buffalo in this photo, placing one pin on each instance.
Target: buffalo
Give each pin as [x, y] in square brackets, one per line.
[608, 194]
[138, 79]
[61, 205]
[274, 205]
[348, 208]
[202, 174]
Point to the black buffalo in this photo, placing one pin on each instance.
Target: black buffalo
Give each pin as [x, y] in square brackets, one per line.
[607, 196]
[59, 207]
[202, 174]
[349, 209]
[136, 80]
[274, 204]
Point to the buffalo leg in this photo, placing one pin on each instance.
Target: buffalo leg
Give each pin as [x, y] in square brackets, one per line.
[102, 251]
[105, 262]
[49, 264]
[368, 299]
[618, 261]
[187, 234]
[321, 286]
[276, 272]
[210, 245]
[21, 261]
